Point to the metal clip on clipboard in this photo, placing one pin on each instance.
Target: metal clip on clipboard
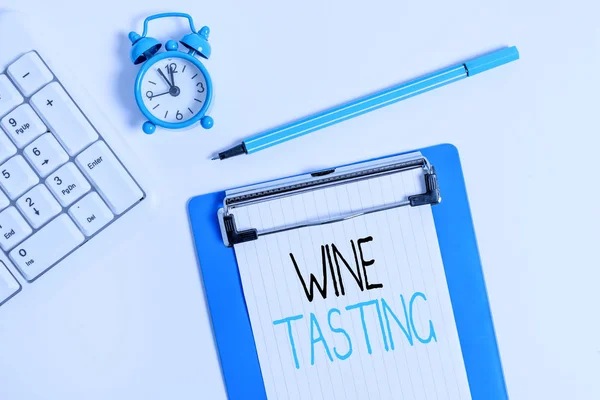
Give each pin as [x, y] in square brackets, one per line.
[319, 180]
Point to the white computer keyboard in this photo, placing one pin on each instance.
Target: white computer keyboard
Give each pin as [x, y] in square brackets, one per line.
[60, 182]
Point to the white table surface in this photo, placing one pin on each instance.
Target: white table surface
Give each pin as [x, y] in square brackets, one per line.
[527, 134]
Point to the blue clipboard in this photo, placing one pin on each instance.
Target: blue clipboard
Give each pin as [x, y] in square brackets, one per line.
[458, 245]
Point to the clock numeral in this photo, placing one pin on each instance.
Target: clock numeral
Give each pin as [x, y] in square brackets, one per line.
[179, 116]
[201, 90]
[149, 94]
[171, 68]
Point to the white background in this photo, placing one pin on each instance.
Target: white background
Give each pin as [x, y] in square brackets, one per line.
[527, 134]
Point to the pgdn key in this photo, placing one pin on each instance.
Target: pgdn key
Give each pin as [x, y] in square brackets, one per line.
[67, 184]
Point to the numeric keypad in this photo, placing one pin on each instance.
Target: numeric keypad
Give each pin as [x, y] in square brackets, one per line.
[59, 184]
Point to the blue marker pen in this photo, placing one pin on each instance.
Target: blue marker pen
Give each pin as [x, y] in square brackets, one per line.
[372, 102]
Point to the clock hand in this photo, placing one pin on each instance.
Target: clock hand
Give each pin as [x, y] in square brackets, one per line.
[157, 95]
[172, 73]
[164, 77]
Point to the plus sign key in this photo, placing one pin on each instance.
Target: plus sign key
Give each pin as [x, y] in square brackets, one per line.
[63, 118]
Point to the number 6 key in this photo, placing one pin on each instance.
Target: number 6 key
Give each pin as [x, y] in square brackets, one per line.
[45, 154]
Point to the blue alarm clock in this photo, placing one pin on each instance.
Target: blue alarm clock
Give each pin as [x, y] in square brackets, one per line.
[173, 89]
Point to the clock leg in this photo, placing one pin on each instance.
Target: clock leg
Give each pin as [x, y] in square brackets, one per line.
[148, 128]
[207, 122]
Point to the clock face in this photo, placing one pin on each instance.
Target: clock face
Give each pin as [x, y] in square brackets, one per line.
[173, 89]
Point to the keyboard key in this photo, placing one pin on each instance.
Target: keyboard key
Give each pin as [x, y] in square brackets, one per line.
[16, 177]
[115, 185]
[13, 228]
[4, 201]
[38, 206]
[90, 214]
[9, 95]
[7, 148]
[8, 284]
[67, 184]
[45, 154]
[63, 118]
[47, 246]
[23, 125]
[29, 73]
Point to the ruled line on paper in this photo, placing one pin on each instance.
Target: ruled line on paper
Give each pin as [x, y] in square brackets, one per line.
[357, 309]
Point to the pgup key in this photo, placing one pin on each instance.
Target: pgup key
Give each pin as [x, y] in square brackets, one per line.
[23, 125]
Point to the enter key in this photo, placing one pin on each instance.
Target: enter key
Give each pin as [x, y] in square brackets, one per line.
[113, 182]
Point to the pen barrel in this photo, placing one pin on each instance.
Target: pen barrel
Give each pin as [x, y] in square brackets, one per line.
[380, 99]
[355, 108]
[492, 60]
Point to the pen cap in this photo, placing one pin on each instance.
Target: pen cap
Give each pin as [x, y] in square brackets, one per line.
[492, 60]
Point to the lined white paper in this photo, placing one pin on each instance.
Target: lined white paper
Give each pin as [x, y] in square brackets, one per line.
[350, 345]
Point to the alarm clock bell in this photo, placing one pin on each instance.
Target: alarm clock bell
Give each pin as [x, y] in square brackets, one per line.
[142, 48]
[197, 43]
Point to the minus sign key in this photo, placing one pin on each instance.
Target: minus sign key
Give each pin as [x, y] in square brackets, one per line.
[29, 73]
